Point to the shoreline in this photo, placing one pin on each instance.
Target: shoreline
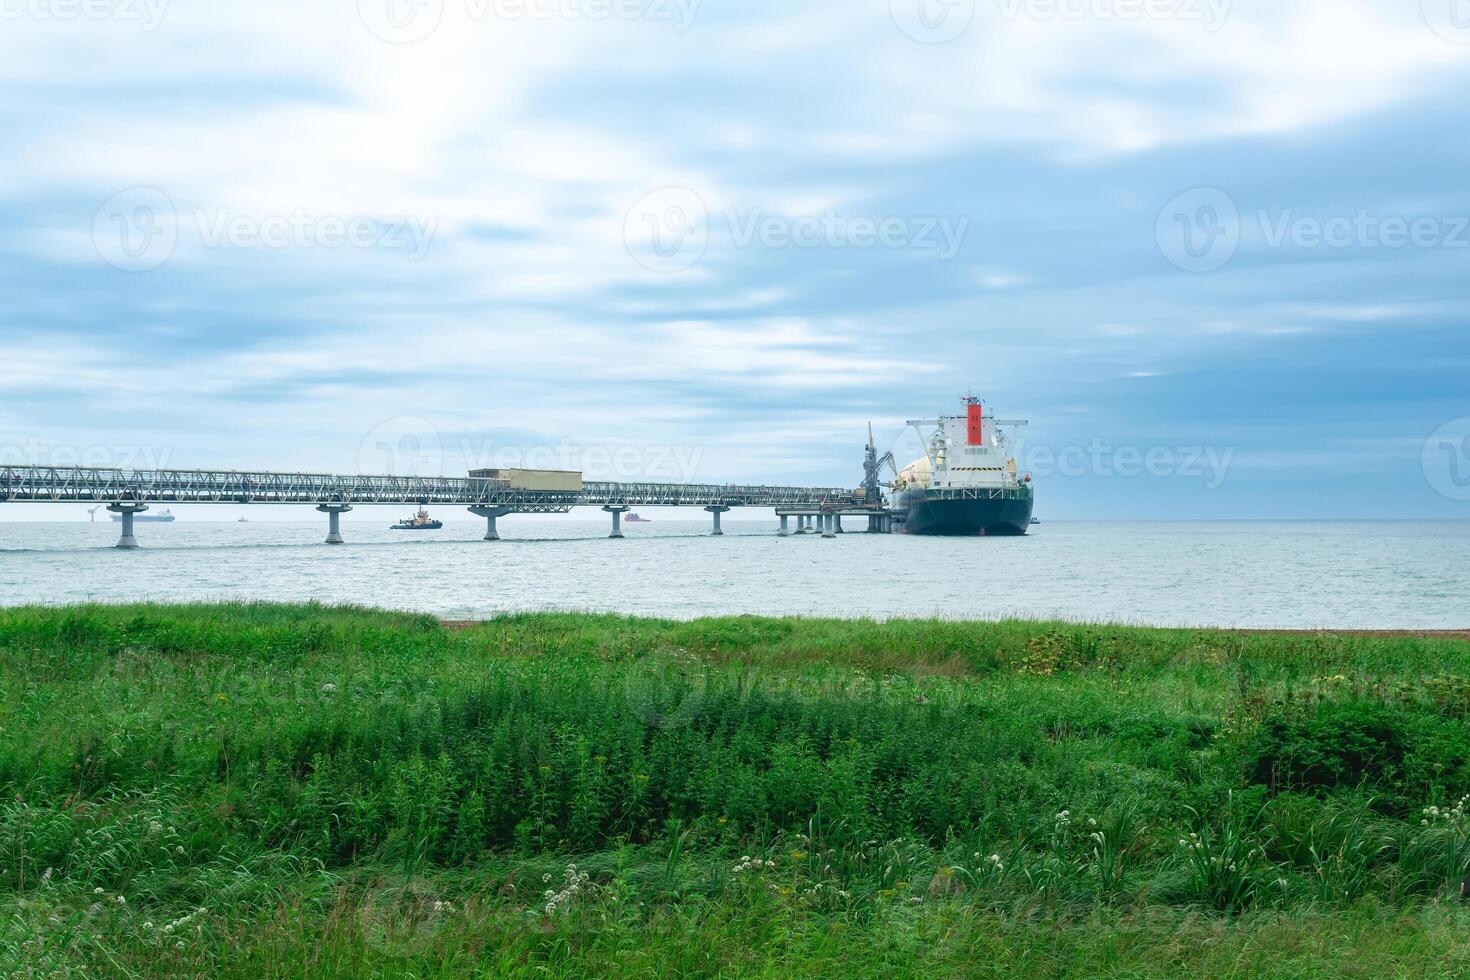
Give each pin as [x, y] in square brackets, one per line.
[1427, 634]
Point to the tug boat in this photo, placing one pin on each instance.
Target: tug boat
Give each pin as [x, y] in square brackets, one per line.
[966, 481]
[420, 521]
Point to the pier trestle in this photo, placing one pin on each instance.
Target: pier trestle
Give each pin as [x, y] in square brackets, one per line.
[490, 514]
[717, 510]
[617, 519]
[334, 514]
[127, 510]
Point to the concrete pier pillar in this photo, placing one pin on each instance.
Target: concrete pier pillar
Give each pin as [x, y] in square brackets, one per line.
[127, 510]
[717, 511]
[785, 531]
[801, 520]
[617, 520]
[837, 523]
[334, 514]
[825, 520]
[490, 513]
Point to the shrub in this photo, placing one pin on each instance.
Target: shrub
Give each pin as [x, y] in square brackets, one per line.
[1349, 744]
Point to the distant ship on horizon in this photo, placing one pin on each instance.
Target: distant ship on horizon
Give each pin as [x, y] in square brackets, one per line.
[143, 517]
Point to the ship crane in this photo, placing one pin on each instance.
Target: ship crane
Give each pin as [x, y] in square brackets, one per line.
[873, 467]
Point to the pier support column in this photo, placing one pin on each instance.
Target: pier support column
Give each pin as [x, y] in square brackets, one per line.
[825, 522]
[785, 531]
[127, 510]
[837, 523]
[717, 511]
[801, 523]
[617, 523]
[334, 514]
[490, 513]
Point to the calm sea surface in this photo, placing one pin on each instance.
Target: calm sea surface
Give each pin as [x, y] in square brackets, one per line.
[1314, 574]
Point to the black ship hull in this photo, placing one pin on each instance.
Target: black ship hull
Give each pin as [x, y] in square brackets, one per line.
[963, 513]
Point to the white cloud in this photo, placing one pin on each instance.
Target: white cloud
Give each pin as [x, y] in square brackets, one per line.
[1093, 86]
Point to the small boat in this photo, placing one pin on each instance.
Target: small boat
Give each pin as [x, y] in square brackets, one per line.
[243, 520]
[420, 521]
[633, 518]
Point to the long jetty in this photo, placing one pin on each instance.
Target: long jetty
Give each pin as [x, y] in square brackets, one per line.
[128, 492]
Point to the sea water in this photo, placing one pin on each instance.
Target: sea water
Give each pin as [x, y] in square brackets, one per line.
[1389, 575]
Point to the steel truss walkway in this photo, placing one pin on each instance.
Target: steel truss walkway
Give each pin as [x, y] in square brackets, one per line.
[128, 491]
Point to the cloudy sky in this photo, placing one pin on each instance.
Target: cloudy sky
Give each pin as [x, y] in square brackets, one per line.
[1216, 252]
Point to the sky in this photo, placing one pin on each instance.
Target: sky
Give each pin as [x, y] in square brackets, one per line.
[1216, 253]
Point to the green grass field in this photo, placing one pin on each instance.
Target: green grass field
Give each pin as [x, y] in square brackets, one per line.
[252, 790]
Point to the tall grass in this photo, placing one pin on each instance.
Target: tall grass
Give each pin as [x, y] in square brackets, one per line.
[373, 779]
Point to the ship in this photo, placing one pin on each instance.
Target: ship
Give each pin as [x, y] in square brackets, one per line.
[420, 521]
[143, 517]
[633, 518]
[965, 483]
